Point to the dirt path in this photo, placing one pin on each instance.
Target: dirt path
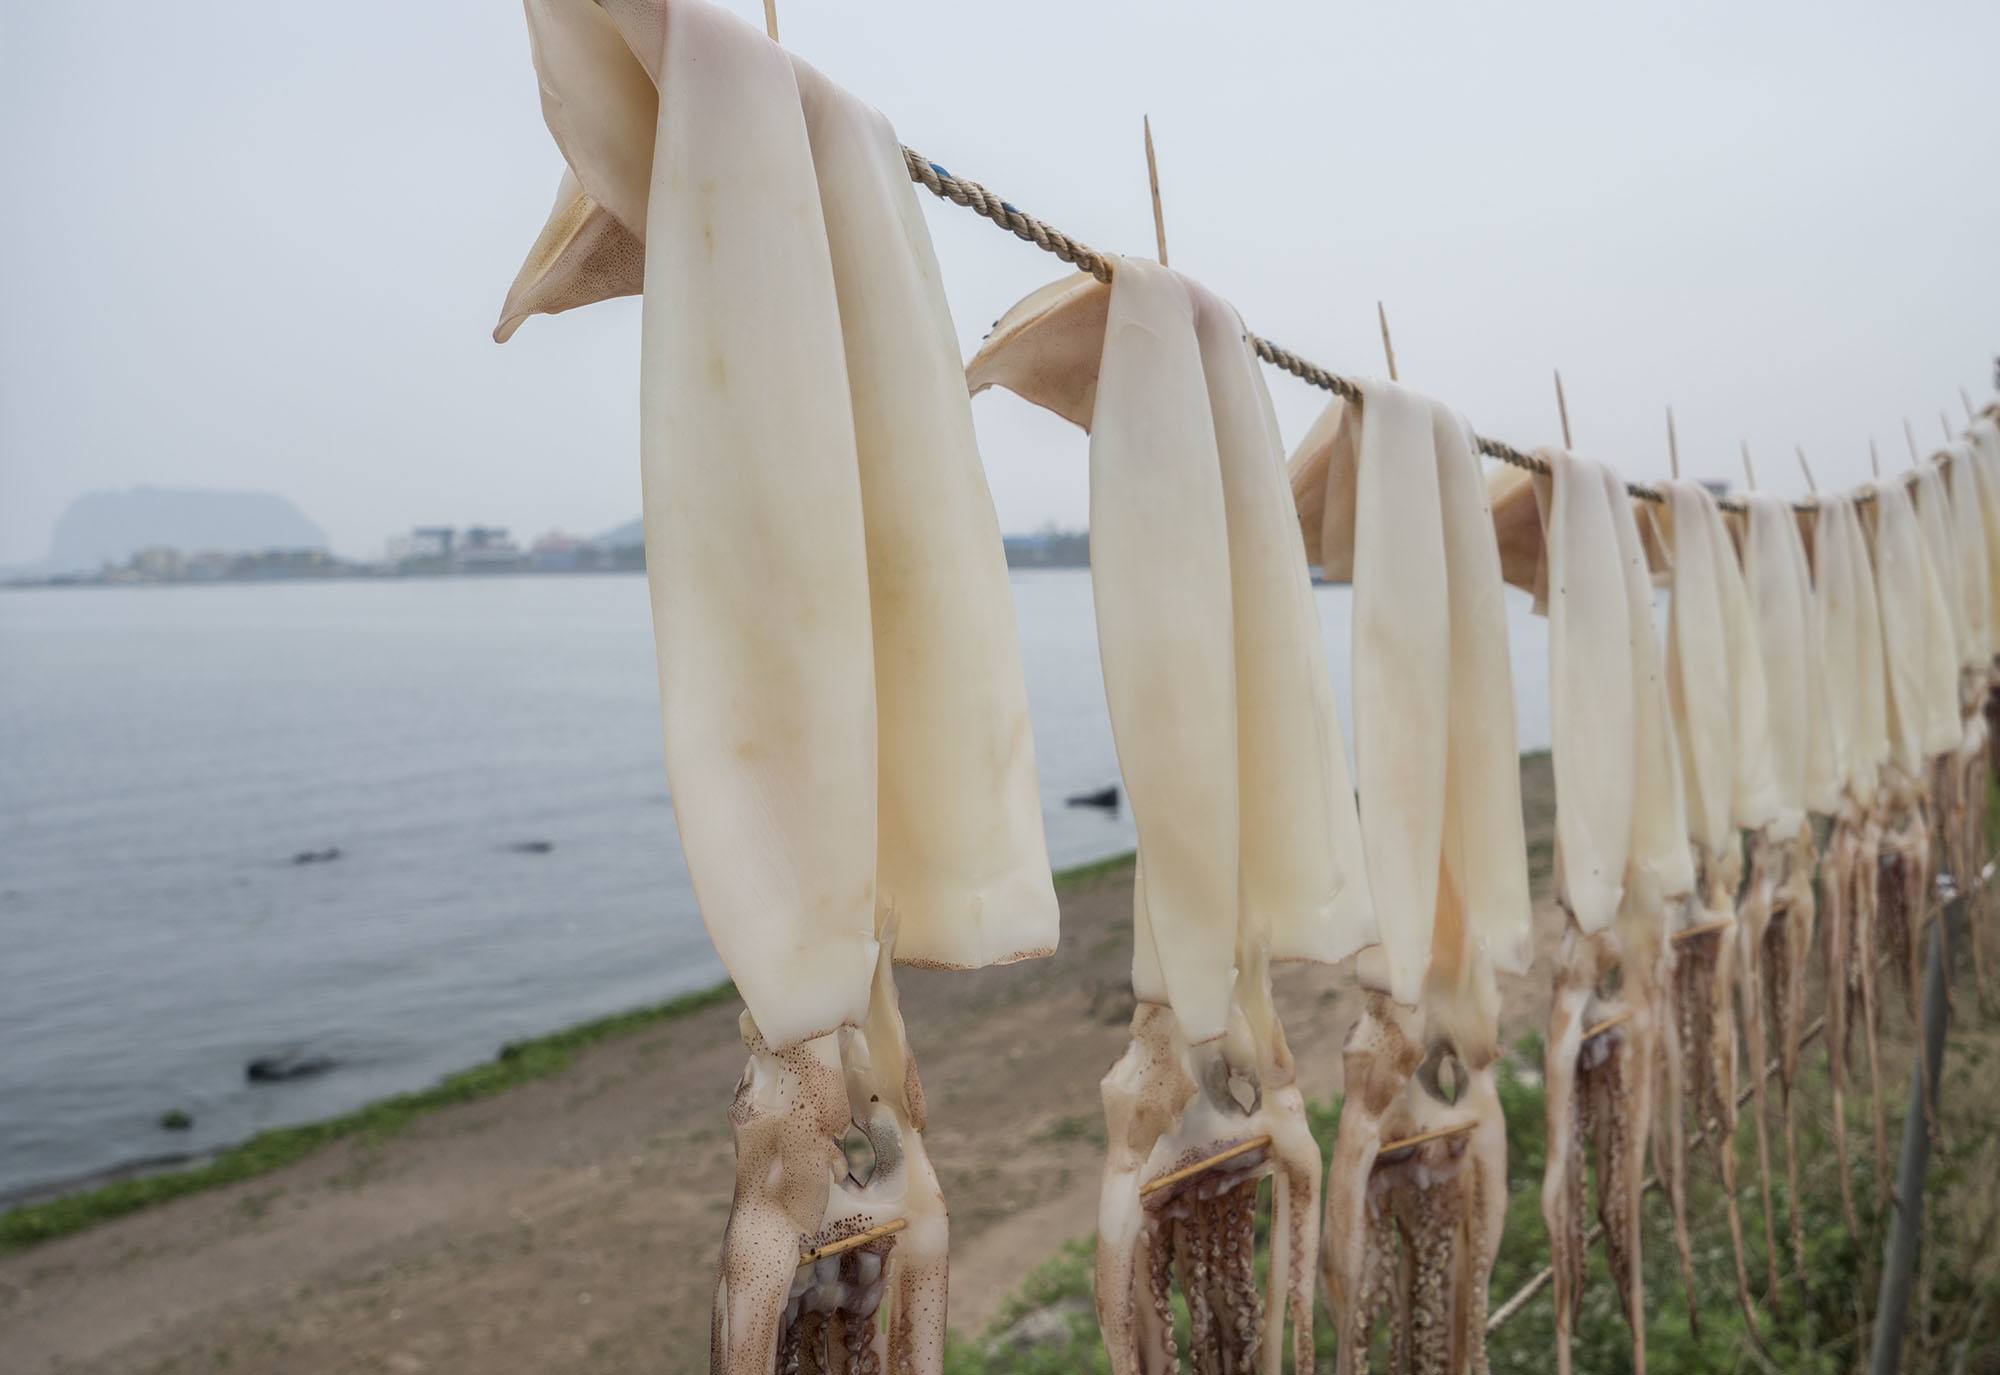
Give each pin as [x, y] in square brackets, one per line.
[572, 1224]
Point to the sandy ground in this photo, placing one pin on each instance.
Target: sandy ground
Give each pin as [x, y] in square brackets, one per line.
[572, 1224]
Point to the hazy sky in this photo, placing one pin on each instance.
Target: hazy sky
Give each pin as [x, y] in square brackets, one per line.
[257, 245]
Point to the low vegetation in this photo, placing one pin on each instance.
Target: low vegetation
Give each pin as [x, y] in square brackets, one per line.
[1819, 1323]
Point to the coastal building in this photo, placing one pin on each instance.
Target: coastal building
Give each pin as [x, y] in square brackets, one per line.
[487, 549]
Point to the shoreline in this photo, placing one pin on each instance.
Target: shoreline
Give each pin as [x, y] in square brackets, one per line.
[571, 1222]
[36, 1213]
[43, 1212]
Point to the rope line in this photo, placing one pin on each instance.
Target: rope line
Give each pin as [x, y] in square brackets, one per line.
[933, 177]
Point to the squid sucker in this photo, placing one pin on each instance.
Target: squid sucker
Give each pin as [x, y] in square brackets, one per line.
[878, 1307]
[1705, 1026]
[1600, 1103]
[1787, 865]
[1414, 1230]
[1697, 1042]
[1173, 1213]
[1847, 946]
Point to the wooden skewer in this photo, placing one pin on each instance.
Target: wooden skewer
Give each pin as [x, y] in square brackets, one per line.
[1388, 347]
[1421, 1137]
[1673, 445]
[1616, 1019]
[859, 1239]
[1911, 435]
[771, 19]
[1706, 928]
[1806, 468]
[1874, 457]
[1562, 407]
[1749, 469]
[1153, 177]
[1945, 421]
[1965, 399]
[1173, 1177]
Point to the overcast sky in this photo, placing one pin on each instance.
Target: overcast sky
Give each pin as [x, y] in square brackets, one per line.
[262, 246]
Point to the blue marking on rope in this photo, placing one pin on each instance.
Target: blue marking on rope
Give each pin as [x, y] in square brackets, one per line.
[1008, 206]
[939, 169]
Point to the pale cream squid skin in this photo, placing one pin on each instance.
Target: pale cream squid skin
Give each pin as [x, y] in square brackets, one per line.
[1983, 442]
[1965, 839]
[1623, 867]
[1715, 690]
[1779, 908]
[1920, 678]
[846, 722]
[1845, 601]
[1249, 851]
[1391, 497]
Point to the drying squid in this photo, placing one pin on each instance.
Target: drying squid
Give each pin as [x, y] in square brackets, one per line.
[1390, 497]
[1984, 438]
[1849, 616]
[1778, 908]
[1964, 840]
[1921, 680]
[1938, 512]
[1715, 688]
[1622, 866]
[846, 722]
[1249, 849]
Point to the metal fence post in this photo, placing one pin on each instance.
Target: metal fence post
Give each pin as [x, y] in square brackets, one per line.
[1899, 1257]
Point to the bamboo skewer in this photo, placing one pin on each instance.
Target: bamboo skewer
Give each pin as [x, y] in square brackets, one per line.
[1562, 408]
[1806, 468]
[1153, 179]
[1421, 1137]
[1673, 446]
[1749, 468]
[771, 19]
[1173, 1177]
[1945, 421]
[1615, 1020]
[1911, 435]
[1388, 347]
[1965, 399]
[1706, 928]
[1874, 458]
[859, 1239]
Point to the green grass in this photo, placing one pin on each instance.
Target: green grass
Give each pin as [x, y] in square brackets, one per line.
[518, 1063]
[1808, 1335]
[1096, 869]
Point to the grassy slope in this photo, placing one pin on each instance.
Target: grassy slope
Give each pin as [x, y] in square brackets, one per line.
[1814, 1336]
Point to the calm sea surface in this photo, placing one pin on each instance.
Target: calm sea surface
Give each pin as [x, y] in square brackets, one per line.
[165, 752]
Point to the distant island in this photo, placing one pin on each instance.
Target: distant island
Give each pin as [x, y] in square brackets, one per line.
[101, 528]
[184, 535]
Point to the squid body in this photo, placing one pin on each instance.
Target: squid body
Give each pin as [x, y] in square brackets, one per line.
[846, 723]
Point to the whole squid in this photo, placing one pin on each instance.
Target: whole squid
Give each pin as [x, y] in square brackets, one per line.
[1779, 907]
[1920, 676]
[1390, 497]
[1622, 865]
[1715, 689]
[846, 722]
[1249, 850]
[1846, 603]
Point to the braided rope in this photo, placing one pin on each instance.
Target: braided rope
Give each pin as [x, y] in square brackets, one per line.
[959, 191]
[980, 201]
